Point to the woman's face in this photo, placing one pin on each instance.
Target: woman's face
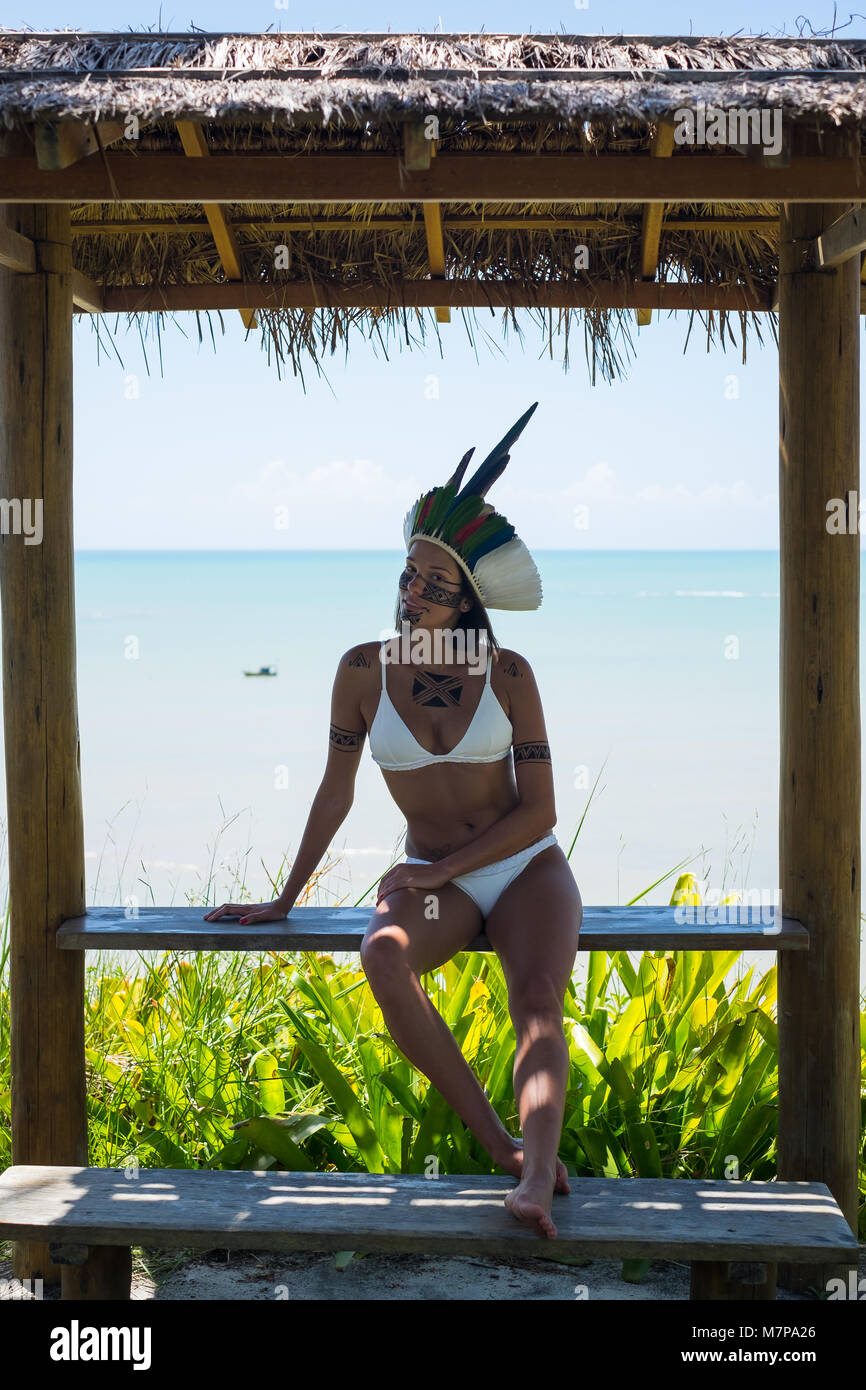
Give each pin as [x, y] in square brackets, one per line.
[431, 591]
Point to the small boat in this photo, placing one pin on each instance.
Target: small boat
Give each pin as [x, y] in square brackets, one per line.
[262, 671]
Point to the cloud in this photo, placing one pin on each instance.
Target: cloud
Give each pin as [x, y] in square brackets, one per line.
[338, 481]
[601, 483]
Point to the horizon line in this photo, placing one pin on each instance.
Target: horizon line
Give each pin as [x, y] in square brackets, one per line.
[387, 550]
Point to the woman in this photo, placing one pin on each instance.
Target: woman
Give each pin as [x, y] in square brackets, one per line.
[480, 849]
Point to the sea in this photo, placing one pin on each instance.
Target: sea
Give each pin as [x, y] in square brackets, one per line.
[658, 672]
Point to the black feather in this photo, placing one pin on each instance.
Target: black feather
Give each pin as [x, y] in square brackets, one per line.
[494, 464]
[457, 475]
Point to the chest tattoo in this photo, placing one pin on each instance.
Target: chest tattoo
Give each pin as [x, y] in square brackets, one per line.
[439, 690]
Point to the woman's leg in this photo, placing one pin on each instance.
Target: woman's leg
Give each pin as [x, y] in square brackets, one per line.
[399, 946]
[534, 928]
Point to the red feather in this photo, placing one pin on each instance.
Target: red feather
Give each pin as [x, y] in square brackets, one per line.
[465, 531]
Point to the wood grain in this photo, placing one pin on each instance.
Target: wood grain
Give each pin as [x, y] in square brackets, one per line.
[43, 787]
[675, 1218]
[464, 178]
[820, 740]
[341, 929]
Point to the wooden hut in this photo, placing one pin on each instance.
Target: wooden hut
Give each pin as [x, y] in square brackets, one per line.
[320, 185]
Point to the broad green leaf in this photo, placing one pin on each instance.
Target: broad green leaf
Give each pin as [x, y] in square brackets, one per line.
[271, 1091]
[171, 1155]
[402, 1093]
[341, 1092]
[272, 1137]
[645, 1150]
[231, 1155]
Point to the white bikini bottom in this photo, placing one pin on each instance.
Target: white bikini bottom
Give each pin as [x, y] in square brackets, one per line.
[485, 885]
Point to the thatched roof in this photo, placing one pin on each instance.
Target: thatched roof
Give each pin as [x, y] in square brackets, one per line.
[308, 94]
[348, 78]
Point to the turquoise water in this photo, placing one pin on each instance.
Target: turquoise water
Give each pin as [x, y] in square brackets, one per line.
[663, 664]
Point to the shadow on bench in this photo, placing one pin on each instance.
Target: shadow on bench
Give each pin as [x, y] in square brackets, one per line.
[636, 928]
[93, 1216]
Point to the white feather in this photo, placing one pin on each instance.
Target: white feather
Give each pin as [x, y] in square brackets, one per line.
[508, 577]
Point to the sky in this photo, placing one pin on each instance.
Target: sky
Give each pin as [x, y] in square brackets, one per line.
[494, 16]
[184, 447]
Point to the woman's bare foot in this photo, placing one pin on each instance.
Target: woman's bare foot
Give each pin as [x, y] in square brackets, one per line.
[513, 1163]
[530, 1202]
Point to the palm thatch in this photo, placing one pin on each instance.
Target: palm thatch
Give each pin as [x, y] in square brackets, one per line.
[304, 94]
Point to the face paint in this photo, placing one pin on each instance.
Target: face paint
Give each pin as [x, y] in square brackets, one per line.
[432, 592]
[443, 597]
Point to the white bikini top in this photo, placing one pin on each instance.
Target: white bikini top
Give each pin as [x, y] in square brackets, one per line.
[396, 749]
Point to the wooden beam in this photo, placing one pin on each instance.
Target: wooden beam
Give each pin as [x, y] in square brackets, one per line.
[62, 143]
[843, 238]
[420, 294]
[436, 252]
[417, 146]
[472, 178]
[195, 147]
[43, 783]
[86, 294]
[418, 150]
[16, 252]
[662, 147]
[532, 222]
[820, 739]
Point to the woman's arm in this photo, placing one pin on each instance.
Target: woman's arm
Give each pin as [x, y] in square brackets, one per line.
[335, 795]
[535, 815]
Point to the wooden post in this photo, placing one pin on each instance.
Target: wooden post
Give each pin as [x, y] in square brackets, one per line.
[819, 786]
[732, 1281]
[46, 833]
[106, 1275]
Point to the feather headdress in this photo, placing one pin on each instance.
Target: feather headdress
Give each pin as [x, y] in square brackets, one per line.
[494, 559]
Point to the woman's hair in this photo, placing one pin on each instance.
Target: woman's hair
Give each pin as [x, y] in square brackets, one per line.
[476, 617]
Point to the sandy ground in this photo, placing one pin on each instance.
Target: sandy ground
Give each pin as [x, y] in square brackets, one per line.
[239, 1275]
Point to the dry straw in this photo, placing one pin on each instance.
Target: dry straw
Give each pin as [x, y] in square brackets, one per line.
[307, 93]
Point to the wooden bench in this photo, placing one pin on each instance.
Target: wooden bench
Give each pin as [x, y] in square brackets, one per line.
[732, 1233]
[94, 1216]
[341, 929]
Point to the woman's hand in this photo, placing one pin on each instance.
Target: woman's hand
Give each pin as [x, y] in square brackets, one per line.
[427, 877]
[251, 913]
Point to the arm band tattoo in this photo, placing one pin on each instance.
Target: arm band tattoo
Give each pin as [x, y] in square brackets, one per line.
[347, 739]
[532, 752]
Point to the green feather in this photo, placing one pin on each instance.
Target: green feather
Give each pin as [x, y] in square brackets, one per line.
[439, 509]
[489, 528]
[460, 514]
[419, 507]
